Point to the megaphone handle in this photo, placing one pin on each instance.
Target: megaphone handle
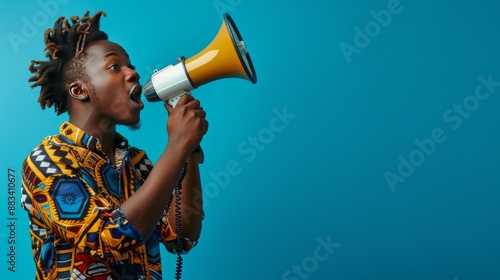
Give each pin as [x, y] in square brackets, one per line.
[173, 101]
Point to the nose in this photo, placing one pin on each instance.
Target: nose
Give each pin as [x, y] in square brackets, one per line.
[132, 76]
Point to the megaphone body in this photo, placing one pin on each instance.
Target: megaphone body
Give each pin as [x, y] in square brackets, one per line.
[225, 57]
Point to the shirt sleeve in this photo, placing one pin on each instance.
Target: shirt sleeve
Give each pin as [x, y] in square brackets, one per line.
[165, 231]
[62, 200]
[169, 237]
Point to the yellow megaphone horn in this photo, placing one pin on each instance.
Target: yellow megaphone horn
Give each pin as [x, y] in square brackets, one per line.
[225, 57]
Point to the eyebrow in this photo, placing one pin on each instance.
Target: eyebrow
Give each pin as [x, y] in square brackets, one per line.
[116, 53]
[111, 53]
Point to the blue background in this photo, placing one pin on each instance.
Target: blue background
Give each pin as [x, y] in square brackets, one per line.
[352, 119]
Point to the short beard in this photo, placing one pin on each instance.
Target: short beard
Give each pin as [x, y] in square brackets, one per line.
[134, 127]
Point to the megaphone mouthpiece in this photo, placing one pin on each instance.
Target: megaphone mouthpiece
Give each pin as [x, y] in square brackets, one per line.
[168, 83]
[150, 92]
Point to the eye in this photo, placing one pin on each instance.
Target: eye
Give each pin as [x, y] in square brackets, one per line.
[114, 67]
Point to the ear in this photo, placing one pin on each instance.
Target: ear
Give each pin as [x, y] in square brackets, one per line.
[78, 90]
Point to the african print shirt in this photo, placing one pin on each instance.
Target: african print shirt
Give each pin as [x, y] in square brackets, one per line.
[73, 193]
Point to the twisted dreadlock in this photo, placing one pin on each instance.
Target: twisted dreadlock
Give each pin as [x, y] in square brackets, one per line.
[64, 45]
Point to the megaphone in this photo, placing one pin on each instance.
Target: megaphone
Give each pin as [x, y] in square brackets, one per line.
[225, 57]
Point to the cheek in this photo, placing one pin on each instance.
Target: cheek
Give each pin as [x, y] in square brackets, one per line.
[114, 103]
[118, 103]
[110, 94]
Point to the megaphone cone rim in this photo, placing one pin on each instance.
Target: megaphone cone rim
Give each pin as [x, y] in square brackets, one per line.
[251, 74]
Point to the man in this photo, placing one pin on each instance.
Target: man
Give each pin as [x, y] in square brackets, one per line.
[97, 207]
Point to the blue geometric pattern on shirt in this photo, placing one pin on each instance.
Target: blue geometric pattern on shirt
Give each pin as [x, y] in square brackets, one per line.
[86, 139]
[115, 233]
[111, 182]
[152, 247]
[92, 237]
[71, 198]
[155, 275]
[64, 260]
[122, 224]
[48, 252]
[88, 179]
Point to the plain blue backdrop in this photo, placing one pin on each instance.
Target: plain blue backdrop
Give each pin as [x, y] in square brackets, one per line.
[368, 149]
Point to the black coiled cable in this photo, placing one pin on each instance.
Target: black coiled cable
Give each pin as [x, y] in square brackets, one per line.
[178, 225]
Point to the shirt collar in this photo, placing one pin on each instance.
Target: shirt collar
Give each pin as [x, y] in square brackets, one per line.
[81, 138]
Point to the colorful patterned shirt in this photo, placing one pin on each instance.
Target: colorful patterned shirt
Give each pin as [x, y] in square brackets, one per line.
[73, 192]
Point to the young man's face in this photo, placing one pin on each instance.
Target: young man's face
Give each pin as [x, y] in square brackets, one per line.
[114, 82]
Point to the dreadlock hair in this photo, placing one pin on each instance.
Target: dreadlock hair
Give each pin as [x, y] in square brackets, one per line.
[64, 45]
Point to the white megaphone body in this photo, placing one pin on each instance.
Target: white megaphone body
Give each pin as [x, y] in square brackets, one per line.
[225, 57]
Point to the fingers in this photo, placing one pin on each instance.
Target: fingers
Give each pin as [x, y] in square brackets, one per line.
[186, 122]
[186, 101]
[202, 123]
[169, 108]
[200, 113]
[205, 128]
[185, 98]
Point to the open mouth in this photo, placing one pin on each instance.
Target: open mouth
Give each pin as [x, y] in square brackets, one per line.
[135, 95]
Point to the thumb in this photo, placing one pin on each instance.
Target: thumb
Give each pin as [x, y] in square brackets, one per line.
[168, 107]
